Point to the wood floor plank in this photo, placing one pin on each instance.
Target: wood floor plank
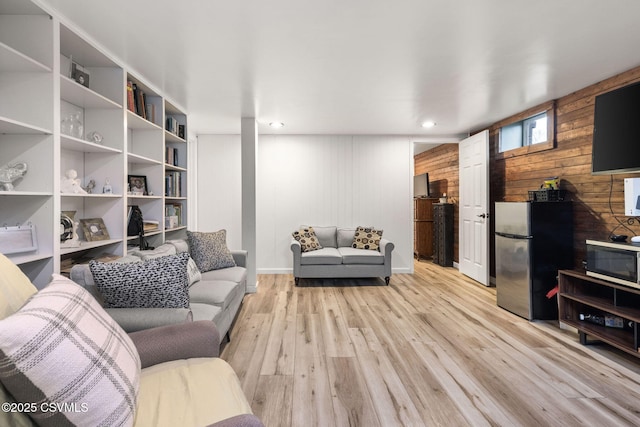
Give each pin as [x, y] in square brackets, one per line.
[278, 358]
[311, 388]
[432, 348]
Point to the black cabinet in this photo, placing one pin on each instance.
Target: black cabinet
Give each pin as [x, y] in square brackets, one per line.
[443, 234]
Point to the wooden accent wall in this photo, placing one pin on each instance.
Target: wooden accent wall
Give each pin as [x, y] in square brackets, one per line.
[598, 199]
[441, 163]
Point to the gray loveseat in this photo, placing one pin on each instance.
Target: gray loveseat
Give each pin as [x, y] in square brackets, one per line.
[216, 296]
[338, 259]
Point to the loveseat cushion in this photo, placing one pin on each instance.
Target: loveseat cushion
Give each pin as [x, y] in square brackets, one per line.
[361, 256]
[192, 392]
[345, 237]
[209, 250]
[61, 346]
[158, 282]
[326, 236]
[218, 292]
[322, 256]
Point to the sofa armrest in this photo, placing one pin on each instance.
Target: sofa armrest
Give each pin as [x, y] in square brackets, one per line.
[386, 247]
[137, 319]
[296, 248]
[174, 342]
[244, 420]
[240, 257]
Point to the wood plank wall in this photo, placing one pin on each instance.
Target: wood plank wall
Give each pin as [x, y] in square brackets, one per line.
[598, 200]
[441, 163]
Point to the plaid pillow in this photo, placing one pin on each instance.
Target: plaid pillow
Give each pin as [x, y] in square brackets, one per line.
[307, 238]
[367, 238]
[61, 348]
[209, 250]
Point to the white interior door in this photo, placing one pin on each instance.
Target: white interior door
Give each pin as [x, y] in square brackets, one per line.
[474, 207]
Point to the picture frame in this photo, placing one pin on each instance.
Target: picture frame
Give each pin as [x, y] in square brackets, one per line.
[80, 76]
[94, 229]
[18, 239]
[137, 185]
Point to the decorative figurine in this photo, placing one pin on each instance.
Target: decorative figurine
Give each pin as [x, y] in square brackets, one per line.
[106, 189]
[94, 136]
[10, 173]
[90, 186]
[70, 183]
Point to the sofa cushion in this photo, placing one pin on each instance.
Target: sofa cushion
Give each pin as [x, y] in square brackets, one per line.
[232, 274]
[217, 292]
[159, 282]
[367, 238]
[361, 256]
[193, 272]
[201, 311]
[326, 236]
[345, 237]
[307, 238]
[62, 347]
[209, 250]
[16, 287]
[160, 251]
[321, 257]
[191, 392]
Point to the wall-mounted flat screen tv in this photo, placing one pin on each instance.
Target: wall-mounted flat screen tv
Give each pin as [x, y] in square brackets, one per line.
[616, 131]
[421, 185]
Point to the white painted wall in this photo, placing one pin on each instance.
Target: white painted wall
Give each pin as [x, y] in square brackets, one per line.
[219, 186]
[318, 180]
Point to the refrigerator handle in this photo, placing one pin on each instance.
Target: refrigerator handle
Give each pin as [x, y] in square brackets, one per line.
[512, 236]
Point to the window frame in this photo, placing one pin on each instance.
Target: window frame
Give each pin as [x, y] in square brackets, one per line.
[550, 109]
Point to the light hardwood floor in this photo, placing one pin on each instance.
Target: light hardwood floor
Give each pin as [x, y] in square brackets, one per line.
[430, 349]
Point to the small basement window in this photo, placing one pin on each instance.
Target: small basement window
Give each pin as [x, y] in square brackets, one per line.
[528, 132]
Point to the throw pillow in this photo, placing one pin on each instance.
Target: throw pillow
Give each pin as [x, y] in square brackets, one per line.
[193, 272]
[367, 238]
[307, 238]
[209, 250]
[62, 348]
[158, 282]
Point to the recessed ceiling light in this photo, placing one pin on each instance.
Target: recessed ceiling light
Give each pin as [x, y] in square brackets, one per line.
[276, 125]
[428, 124]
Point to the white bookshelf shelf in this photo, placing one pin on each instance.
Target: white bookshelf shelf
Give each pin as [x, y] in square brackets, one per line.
[15, 127]
[12, 61]
[89, 245]
[75, 144]
[84, 97]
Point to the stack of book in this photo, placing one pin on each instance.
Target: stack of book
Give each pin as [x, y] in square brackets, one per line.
[172, 184]
[171, 156]
[150, 225]
[174, 127]
[137, 102]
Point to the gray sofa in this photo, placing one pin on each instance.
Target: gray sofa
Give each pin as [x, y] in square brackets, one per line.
[217, 296]
[337, 259]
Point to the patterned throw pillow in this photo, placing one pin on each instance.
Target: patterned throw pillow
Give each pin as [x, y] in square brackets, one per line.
[62, 348]
[307, 238]
[209, 250]
[158, 282]
[367, 238]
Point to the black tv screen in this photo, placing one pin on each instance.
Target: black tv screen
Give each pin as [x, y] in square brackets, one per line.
[421, 185]
[616, 131]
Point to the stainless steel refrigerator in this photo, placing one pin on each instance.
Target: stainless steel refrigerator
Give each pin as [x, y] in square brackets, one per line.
[533, 240]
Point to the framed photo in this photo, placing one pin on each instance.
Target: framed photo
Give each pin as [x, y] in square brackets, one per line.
[94, 229]
[79, 75]
[138, 185]
[18, 239]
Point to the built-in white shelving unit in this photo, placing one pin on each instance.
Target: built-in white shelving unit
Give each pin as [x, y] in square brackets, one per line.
[54, 121]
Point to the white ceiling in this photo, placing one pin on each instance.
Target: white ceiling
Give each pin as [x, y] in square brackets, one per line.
[362, 66]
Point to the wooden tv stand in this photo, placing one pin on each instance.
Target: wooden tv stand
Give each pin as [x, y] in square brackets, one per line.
[582, 294]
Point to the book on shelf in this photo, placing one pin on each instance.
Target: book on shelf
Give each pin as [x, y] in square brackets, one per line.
[172, 125]
[150, 112]
[174, 210]
[139, 101]
[171, 156]
[150, 225]
[131, 104]
[173, 184]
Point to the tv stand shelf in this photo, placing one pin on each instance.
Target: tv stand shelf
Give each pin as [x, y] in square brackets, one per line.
[582, 294]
